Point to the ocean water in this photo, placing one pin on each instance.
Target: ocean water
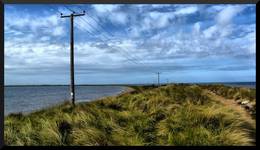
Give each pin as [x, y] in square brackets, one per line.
[233, 84]
[30, 98]
[242, 84]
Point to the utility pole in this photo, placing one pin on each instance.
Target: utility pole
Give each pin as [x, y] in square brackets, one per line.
[72, 85]
[158, 73]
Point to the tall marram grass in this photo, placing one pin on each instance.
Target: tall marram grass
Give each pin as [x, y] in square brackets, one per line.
[169, 115]
[233, 92]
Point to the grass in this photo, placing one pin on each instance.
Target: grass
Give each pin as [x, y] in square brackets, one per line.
[235, 93]
[169, 115]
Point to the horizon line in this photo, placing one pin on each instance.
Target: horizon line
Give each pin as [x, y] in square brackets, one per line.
[115, 84]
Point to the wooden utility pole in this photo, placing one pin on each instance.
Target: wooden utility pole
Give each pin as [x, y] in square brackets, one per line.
[72, 85]
[158, 73]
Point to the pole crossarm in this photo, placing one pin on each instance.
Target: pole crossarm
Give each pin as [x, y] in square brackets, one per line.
[74, 15]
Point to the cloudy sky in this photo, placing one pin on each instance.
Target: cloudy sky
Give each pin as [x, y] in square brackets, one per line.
[130, 43]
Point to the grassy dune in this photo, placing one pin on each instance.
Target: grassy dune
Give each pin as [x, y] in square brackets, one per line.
[237, 94]
[169, 115]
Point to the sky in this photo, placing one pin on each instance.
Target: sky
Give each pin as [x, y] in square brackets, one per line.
[130, 43]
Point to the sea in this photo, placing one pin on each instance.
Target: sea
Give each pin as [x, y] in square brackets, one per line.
[242, 84]
[235, 84]
[26, 99]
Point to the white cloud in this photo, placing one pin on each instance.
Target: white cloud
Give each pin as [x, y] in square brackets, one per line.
[252, 40]
[110, 12]
[224, 25]
[212, 10]
[186, 10]
[210, 31]
[58, 31]
[119, 17]
[159, 6]
[134, 32]
[45, 38]
[30, 22]
[155, 19]
[101, 8]
[247, 43]
[226, 15]
[34, 55]
[196, 27]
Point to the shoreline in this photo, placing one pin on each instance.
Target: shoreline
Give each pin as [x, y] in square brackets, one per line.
[124, 91]
[127, 89]
[247, 83]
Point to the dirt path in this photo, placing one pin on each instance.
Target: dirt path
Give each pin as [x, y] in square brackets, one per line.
[250, 124]
[234, 106]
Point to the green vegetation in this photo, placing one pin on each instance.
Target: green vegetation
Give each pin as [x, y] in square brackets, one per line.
[236, 93]
[169, 115]
[233, 92]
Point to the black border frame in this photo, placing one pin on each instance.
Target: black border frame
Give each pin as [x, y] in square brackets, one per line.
[2, 2]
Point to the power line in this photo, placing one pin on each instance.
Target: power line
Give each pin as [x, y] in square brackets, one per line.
[102, 27]
[95, 27]
[126, 51]
[108, 32]
[133, 59]
[127, 54]
[69, 9]
[129, 59]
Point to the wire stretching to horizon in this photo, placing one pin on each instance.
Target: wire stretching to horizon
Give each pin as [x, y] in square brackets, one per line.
[126, 53]
[109, 33]
[129, 59]
[104, 31]
[108, 39]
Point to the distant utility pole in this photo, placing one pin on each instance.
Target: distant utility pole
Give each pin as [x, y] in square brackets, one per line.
[158, 73]
[72, 86]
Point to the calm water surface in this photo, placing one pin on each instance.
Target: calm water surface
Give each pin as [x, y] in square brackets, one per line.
[30, 98]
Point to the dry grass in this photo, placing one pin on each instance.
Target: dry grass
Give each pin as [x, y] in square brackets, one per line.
[169, 115]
